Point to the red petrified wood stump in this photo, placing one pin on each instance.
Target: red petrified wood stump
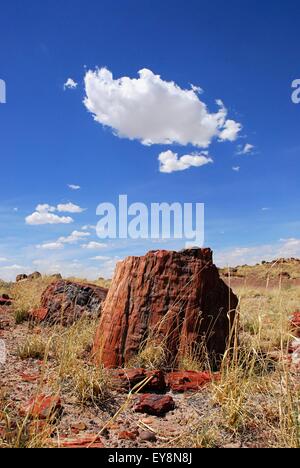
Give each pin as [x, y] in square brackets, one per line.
[66, 302]
[176, 299]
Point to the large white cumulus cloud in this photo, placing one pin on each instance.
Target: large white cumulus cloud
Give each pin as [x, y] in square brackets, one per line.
[155, 111]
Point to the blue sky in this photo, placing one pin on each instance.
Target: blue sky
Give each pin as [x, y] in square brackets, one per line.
[243, 53]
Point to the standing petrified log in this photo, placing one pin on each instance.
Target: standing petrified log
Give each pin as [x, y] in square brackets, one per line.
[174, 298]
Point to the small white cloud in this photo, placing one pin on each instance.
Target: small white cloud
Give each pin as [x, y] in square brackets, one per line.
[13, 267]
[246, 149]
[44, 215]
[230, 131]
[170, 162]
[155, 111]
[236, 168]
[3, 259]
[89, 227]
[265, 209]
[100, 258]
[70, 84]
[94, 246]
[74, 187]
[51, 246]
[73, 238]
[69, 208]
[16, 209]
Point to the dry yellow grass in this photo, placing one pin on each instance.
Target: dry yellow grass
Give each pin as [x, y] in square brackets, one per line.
[255, 401]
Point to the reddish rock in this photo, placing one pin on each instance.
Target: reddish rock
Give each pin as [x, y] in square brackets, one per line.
[21, 278]
[66, 302]
[34, 276]
[38, 315]
[174, 298]
[56, 276]
[42, 407]
[184, 381]
[155, 405]
[296, 323]
[90, 441]
[129, 378]
[128, 435]
[29, 378]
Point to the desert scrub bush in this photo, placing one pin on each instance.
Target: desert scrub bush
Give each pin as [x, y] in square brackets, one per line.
[256, 391]
[24, 433]
[151, 356]
[69, 346]
[27, 295]
[91, 385]
[5, 288]
[264, 319]
[34, 347]
[196, 359]
[21, 316]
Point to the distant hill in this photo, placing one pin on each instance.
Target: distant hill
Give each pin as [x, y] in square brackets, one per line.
[283, 271]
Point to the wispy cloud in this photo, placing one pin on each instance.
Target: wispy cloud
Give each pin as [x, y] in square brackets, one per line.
[74, 187]
[69, 208]
[246, 149]
[73, 238]
[94, 246]
[284, 248]
[100, 258]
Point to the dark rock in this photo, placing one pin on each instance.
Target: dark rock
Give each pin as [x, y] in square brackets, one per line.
[21, 278]
[34, 276]
[66, 302]
[155, 405]
[5, 300]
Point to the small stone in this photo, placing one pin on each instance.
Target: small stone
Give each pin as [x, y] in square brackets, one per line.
[81, 426]
[147, 436]
[184, 381]
[42, 407]
[156, 405]
[128, 435]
